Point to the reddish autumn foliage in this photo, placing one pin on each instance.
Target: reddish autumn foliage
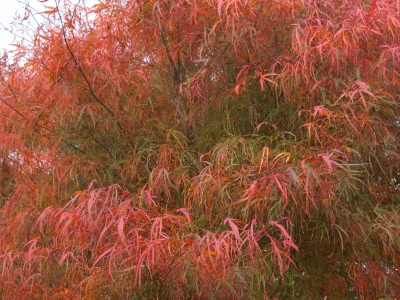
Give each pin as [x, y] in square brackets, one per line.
[202, 150]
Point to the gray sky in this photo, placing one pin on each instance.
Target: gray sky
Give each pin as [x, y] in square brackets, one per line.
[8, 8]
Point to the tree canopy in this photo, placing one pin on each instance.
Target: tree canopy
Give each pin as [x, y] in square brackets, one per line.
[202, 149]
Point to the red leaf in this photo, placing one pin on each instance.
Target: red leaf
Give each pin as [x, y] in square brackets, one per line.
[234, 227]
[120, 226]
[327, 161]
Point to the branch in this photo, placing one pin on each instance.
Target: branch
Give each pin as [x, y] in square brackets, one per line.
[5, 102]
[176, 74]
[79, 66]
[91, 91]
[102, 145]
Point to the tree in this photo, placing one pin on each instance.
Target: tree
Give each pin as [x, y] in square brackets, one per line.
[202, 149]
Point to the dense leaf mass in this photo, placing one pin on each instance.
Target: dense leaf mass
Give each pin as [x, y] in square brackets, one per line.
[202, 149]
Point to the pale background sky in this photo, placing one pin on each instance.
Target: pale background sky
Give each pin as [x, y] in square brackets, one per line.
[8, 8]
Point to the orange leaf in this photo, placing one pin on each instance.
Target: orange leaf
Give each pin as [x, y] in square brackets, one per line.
[210, 253]
[78, 192]
[51, 10]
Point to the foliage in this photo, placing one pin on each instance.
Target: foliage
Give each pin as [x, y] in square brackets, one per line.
[202, 150]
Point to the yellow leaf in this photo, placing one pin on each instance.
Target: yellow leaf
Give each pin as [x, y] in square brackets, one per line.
[347, 149]
[283, 154]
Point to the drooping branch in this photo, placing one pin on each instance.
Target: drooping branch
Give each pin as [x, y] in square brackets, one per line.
[37, 125]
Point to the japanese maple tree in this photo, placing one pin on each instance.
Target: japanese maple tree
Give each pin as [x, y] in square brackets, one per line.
[201, 150]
